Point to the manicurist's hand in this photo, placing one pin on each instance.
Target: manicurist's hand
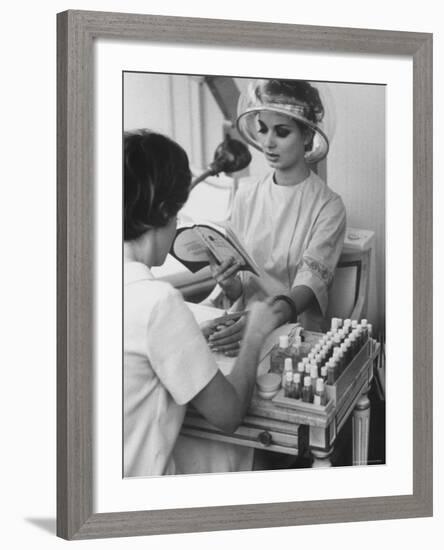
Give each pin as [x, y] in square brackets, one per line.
[225, 275]
[263, 317]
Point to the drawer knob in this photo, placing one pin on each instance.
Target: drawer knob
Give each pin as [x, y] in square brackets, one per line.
[265, 438]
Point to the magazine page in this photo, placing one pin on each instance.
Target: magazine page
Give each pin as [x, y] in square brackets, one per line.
[220, 245]
[193, 243]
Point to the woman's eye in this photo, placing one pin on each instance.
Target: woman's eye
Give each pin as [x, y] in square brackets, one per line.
[282, 132]
[262, 129]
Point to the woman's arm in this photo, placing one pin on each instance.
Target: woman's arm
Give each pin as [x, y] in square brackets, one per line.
[321, 256]
[301, 297]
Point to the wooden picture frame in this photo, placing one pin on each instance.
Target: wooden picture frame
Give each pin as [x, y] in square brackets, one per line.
[77, 31]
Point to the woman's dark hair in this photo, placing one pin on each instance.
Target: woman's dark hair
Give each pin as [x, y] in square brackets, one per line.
[156, 181]
[296, 92]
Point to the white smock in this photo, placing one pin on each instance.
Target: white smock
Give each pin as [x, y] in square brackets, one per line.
[167, 362]
[295, 235]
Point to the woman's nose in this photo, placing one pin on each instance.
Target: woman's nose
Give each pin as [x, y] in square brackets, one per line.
[269, 140]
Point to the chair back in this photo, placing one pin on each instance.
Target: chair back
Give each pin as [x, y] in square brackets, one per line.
[348, 295]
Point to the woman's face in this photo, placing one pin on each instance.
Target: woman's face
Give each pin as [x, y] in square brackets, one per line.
[281, 139]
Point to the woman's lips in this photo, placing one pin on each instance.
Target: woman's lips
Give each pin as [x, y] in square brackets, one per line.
[271, 156]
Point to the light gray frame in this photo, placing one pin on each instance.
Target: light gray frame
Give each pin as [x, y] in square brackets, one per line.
[77, 31]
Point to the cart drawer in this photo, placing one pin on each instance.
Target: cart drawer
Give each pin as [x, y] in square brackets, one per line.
[248, 435]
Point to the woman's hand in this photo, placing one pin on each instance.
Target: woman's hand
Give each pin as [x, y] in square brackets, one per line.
[219, 323]
[208, 327]
[257, 323]
[225, 275]
[227, 336]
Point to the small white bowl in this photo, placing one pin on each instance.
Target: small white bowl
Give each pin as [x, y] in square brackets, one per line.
[268, 385]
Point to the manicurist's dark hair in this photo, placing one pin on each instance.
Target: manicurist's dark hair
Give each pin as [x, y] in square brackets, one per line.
[156, 181]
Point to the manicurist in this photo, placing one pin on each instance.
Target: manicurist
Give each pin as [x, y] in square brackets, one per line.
[167, 362]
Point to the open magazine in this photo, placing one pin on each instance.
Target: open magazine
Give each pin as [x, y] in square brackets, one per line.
[194, 241]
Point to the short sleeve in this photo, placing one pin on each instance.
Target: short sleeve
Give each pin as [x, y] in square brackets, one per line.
[177, 350]
[321, 256]
[233, 221]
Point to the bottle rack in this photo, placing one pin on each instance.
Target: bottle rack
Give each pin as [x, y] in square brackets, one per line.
[359, 370]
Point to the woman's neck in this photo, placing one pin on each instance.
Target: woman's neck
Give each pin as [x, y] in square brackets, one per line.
[139, 250]
[293, 176]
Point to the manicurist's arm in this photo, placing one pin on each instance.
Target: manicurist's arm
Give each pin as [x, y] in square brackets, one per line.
[224, 400]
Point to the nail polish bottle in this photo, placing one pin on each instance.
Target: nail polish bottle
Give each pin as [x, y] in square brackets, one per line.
[307, 391]
[278, 355]
[288, 368]
[313, 377]
[288, 384]
[320, 395]
[297, 386]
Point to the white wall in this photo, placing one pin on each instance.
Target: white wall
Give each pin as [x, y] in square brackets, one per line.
[28, 291]
[356, 170]
[168, 104]
[143, 94]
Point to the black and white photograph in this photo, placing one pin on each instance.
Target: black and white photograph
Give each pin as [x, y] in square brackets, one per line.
[254, 264]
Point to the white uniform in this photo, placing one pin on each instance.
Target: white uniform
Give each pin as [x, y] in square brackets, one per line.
[295, 235]
[166, 363]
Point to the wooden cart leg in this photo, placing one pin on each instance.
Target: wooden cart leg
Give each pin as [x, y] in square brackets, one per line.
[361, 429]
[321, 445]
[321, 459]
